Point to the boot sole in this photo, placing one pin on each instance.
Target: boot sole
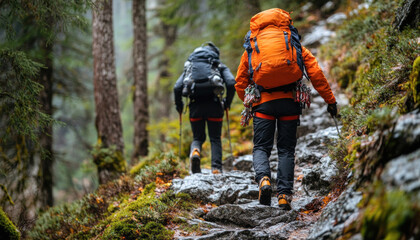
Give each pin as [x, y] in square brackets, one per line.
[286, 207]
[195, 165]
[265, 195]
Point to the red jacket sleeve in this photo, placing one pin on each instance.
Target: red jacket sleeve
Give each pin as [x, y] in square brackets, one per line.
[317, 77]
[242, 76]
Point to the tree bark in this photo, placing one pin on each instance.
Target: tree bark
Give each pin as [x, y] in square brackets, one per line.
[45, 138]
[254, 6]
[140, 102]
[164, 79]
[108, 120]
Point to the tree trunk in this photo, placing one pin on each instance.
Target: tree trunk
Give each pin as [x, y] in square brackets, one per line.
[254, 6]
[164, 81]
[45, 139]
[108, 121]
[140, 102]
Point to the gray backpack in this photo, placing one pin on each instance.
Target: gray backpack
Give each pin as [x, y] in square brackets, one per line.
[202, 76]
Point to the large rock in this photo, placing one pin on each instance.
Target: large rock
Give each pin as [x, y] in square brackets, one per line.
[320, 177]
[291, 230]
[243, 163]
[314, 118]
[403, 173]
[317, 35]
[337, 19]
[405, 136]
[408, 15]
[231, 234]
[250, 215]
[402, 138]
[312, 147]
[337, 215]
[218, 188]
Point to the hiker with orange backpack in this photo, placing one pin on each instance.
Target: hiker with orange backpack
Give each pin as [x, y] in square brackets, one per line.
[269, 81]
[203, 83]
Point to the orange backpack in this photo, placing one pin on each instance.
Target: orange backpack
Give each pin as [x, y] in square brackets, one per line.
[274, 50]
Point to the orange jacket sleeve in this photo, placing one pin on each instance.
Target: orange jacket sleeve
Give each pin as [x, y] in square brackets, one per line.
[242, 76]
[317, 77]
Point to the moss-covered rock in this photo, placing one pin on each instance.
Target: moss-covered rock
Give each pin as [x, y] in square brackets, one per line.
[167, 168]
[7, 229]
[145, 217]
[390, 215]
[108, 158]
[77, 220]
[415, 81]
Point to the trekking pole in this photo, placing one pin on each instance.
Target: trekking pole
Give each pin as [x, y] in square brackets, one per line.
[336, 126]
[230, 143]
[180, 134]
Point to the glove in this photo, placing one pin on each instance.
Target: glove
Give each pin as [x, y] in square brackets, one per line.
[180, 107]
[332, 109]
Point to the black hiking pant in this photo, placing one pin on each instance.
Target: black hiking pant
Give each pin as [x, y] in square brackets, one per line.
[210, 112]
[264, 131]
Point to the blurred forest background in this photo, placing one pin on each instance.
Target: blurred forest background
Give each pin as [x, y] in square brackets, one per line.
[48, 139]
[52, 41]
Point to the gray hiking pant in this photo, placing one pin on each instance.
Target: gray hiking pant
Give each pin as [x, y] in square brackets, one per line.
[264, 131]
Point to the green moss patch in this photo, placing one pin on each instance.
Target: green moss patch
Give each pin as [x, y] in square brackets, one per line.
[415, 81]
[7, 229]
[145, 217]
[108, 158]
[165, 167]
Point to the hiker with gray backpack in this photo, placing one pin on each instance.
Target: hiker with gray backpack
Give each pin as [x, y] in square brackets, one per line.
[203, 83]
[270, 82]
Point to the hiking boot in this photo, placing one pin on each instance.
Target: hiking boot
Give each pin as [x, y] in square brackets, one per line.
[284, 201]
[216, 171]
[265, 191]
[195, 161]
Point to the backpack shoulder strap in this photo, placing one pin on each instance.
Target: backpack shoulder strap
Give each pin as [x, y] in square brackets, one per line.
[248, 48]
[295, 41]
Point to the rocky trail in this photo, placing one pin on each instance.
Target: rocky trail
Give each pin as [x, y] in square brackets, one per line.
[230, 207]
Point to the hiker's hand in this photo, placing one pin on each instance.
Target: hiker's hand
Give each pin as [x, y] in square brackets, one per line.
[332, 109]
[179, 108]
[225, 105]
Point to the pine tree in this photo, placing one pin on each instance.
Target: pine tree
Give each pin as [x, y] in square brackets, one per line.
[28, 32]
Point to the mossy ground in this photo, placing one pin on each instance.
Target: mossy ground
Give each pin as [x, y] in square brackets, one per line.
[139, 206]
